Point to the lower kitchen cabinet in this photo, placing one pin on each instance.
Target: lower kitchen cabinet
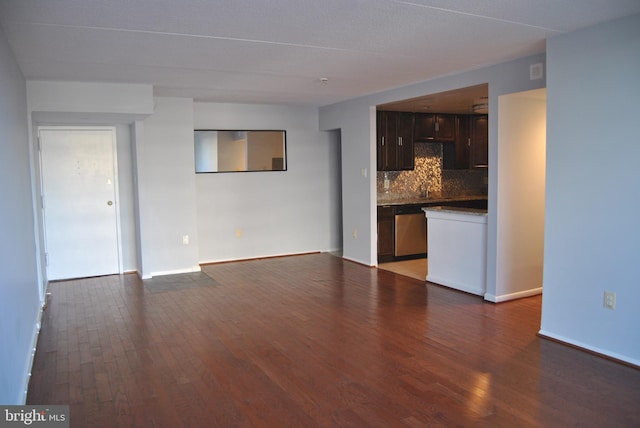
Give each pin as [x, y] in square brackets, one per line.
[386, 232]
[395, 223]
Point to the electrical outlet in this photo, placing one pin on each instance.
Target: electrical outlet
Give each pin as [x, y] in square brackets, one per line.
[355, 233]
[610, 300]
[238, 233]
[185, 239]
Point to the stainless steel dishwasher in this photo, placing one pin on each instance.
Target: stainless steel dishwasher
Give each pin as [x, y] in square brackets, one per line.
[411, 231]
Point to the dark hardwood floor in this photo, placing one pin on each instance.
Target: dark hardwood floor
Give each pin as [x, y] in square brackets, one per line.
[308, 341]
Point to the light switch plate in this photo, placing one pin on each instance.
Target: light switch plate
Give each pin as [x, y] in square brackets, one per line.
[610, 300]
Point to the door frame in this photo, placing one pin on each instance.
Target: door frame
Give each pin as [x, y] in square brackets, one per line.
[114, 146]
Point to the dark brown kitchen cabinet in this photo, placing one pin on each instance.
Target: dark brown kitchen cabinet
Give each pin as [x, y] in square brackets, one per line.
[479, 147]
[385, 157]
[386, 233]
[394, 141]
[470, 148]
[435, 127]
[455, 154]
[463, 141]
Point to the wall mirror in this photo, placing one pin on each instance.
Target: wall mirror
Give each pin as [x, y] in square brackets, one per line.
[240, 151]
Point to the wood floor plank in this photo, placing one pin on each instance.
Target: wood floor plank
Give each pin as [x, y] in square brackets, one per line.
[308, 341]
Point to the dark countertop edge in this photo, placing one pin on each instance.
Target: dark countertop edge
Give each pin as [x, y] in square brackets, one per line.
[430, 201]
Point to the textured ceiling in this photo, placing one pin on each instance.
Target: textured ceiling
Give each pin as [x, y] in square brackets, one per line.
[276, 51]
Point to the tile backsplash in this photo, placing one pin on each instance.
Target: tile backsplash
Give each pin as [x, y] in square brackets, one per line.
[428, 171]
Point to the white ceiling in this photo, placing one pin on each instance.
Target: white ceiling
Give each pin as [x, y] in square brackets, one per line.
[276, 51]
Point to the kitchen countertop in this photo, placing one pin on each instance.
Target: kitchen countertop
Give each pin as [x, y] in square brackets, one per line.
[436, 198]
[455, 210]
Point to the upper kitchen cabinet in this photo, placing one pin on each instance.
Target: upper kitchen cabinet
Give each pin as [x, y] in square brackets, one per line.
[470, 148]
[394, 140]
[435, 127]
[479, 147]
[462, 142]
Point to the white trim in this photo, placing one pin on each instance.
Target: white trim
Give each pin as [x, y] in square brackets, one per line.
[360, 262]
[478, 291]
[173, 272]
[34, 344]
[269, 256]
[595, 349]
[116, 193]
[512, 296]
[36, 198]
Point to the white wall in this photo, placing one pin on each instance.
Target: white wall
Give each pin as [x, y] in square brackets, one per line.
[128, 229]
[356, 119]
[80, 103]
[166, 188]
[139, 206]
[19, 291]
[90, 98]
[256, 214]
[592, 233]
[158, 182]
[520, 195]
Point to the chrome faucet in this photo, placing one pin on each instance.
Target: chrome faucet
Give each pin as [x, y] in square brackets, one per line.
[425, 190]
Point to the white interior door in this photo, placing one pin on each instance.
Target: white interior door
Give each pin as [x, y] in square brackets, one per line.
[79, 202]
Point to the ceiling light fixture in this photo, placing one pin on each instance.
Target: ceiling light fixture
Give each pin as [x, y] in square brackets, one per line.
[324, 80]
[480, 108]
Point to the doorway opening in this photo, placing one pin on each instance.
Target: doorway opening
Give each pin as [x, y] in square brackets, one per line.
[521, 161]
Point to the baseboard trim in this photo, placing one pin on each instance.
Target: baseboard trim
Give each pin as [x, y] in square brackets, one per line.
[360, 262]
[275, 256]
[512, 296]
[174, 272]
[621, 359]
[477, 291]
[34, 345]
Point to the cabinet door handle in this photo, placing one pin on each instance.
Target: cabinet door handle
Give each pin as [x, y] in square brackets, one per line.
[400, 141]
[437, 126]
[383, 141]
[469, 142]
